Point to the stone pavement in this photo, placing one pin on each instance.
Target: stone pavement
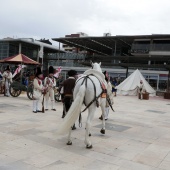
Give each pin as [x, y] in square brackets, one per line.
[137, 137]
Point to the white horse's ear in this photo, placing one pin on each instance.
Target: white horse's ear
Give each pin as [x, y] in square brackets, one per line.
[100, 63]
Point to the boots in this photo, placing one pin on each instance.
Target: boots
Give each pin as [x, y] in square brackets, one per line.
[34, 106]
[63, 114]
[46, 104]
[101, 117]
[74, 127]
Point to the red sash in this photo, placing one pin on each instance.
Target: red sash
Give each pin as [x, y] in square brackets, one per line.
[103, 95]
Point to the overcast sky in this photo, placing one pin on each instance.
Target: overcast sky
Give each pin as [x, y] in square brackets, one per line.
[56, 18]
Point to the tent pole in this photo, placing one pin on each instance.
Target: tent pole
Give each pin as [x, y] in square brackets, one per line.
[126, 72]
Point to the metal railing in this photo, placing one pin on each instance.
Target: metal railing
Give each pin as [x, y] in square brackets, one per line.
[66, 56]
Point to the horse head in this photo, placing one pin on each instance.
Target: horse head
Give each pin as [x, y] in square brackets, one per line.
[96, 66]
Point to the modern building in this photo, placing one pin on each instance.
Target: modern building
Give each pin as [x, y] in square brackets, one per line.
[121, 55]
[37, 50]
[69, 48]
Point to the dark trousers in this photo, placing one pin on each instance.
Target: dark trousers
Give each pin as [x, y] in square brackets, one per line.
[68, 101]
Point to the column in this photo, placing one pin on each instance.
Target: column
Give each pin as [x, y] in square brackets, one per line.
[20, 48]
[157, 88]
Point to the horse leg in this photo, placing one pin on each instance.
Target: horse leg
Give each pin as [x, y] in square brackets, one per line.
[89, 132]
[69, 137]
[102, 105]
[90, 117]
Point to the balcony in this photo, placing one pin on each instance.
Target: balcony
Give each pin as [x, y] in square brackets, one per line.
[152, 49]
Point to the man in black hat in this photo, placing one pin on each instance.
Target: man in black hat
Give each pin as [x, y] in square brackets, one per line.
[50, 83]
[7, 79]
[68, 87]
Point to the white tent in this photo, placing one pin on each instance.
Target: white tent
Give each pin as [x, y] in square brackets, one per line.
[130, 85]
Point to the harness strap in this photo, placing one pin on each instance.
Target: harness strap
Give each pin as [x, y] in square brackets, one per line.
[95, 97]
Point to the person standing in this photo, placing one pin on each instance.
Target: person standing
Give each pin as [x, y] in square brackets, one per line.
[141, 90]
[109, 93]
[7, 79]
[114, 84]
[50, 83]
[37, 89]
[68, 87]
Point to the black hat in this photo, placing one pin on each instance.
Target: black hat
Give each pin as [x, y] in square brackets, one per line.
[38, 71]
[7, 68]
[51, 70]
[104, 72]
[72, 73]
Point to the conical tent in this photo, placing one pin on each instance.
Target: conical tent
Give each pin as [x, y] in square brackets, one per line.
[130, 85]
[19, 59]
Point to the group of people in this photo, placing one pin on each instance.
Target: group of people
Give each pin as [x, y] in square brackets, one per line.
[66, 91]
[48, 90]
[7, 78]
[45, 87]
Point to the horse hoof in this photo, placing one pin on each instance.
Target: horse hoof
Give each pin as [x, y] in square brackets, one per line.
[89, 147]
[102, 131]
[69, 143]
[89, 134]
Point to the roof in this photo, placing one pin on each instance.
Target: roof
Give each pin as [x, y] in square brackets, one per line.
[20, 59]
[106, 45]
[47, 47]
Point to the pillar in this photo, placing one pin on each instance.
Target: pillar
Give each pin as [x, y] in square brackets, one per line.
[20, 48]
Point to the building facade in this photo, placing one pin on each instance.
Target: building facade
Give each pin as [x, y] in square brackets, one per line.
[121, 55]
[37, 50]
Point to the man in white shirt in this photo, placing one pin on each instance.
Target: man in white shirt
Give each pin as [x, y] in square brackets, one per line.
[50, 83]
[7, 79]
[141, 90]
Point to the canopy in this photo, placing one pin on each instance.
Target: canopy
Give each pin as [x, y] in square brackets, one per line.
[19, 59]
[130, 85]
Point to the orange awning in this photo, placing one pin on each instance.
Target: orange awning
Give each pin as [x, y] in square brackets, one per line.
[19, 59]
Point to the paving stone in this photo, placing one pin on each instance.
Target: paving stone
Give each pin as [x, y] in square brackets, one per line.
[155, 111]
[26, 132]
[137, 137]
[4, 105]
[114, 127]
[18, 165]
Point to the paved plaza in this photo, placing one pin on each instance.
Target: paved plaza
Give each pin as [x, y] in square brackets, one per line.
[137, 137]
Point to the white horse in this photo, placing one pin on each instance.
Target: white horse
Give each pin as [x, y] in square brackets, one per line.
[88, 90]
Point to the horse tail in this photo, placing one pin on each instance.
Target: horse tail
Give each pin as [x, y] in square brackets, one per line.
[74, 111]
